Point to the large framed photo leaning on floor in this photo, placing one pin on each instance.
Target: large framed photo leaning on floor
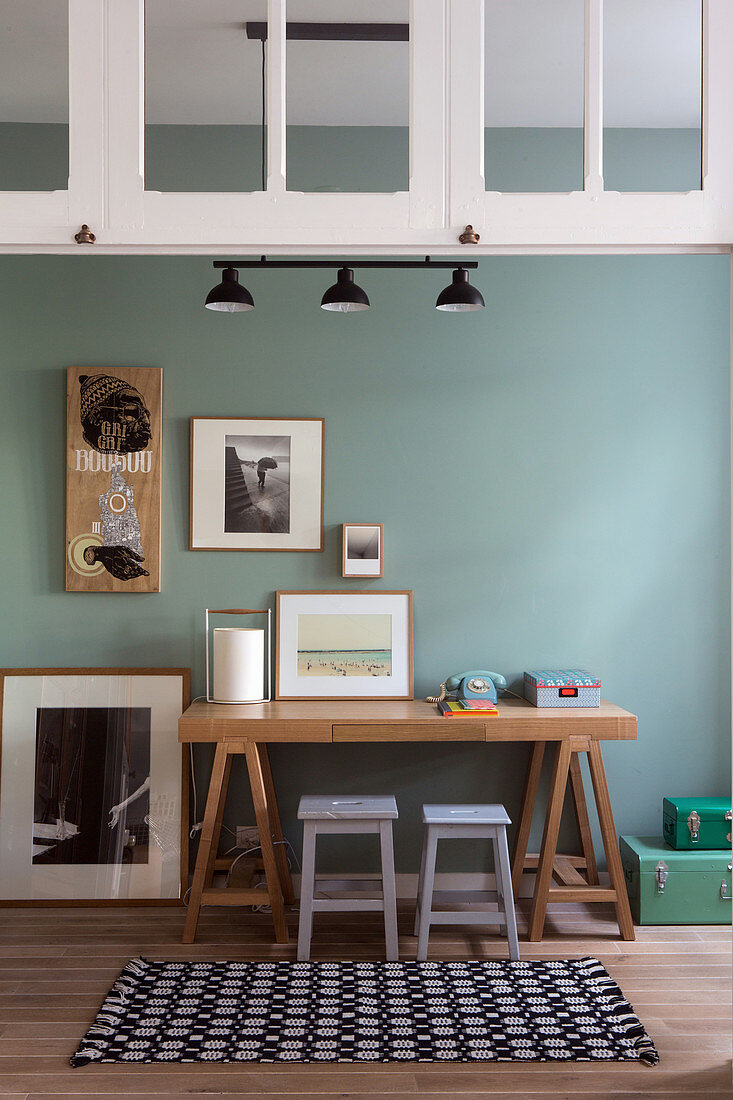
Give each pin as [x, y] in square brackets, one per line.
[256, 483]
[93, 785]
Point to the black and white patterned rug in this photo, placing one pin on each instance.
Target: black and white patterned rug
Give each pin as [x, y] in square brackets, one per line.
[565, 1010]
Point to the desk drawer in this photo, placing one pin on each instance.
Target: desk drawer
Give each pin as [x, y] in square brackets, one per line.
[264, 732]
[443, 729]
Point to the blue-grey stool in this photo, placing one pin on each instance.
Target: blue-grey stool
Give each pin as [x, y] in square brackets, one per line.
[447, 821]
[349, 814]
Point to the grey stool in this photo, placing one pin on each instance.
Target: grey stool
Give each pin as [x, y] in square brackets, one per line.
[349, 814]
[465, 821]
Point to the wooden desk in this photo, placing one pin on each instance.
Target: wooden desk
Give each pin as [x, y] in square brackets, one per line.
[247, 730]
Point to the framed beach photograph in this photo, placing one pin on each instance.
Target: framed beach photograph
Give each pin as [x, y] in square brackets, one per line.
[256, 484]
[344, 645]
[362, 550]
[93, 786]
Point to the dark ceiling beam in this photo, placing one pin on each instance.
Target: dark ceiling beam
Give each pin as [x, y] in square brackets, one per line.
[336, 32]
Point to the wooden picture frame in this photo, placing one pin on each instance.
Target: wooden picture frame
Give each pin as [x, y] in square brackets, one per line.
[256, 483]
[344, 645]
[362, 550]
[79, 823]
[113, 473]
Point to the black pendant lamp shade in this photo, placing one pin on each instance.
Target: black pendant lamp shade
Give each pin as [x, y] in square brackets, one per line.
[229, 296]
[345, 296]
[460, 296]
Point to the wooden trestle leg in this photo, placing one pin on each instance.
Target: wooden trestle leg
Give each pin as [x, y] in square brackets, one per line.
[264, 826]
[549, 840]
[529, 797]
[280, 854]
[275, 863]
[610, 844]
[209, 838]
[566, 870]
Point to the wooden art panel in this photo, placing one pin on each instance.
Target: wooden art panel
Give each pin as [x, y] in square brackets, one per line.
[113, 460]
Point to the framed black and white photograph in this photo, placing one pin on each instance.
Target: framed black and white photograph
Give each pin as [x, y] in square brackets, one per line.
[362, 550]
[344, 645]
[93, 785]
[256, 484]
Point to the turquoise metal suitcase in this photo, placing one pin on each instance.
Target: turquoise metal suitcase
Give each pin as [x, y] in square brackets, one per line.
[668, 886]
[697, 822]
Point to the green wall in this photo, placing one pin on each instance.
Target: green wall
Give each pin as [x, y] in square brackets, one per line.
[34, 156]
[552, 474]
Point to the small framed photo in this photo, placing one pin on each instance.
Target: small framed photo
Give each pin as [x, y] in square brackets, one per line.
[362, 550]
[93, 786]
[344, 645]
[256, 484]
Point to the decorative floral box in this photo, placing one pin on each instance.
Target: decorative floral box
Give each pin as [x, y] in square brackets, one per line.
[562, 687]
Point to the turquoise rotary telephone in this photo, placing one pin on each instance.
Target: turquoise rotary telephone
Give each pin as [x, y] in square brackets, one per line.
[470, 685]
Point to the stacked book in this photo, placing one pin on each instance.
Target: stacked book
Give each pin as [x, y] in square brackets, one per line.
[462, 708]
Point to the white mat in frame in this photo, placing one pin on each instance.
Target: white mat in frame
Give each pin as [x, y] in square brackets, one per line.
[39, 788]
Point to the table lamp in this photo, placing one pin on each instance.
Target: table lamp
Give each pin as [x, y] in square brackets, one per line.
[239, 656]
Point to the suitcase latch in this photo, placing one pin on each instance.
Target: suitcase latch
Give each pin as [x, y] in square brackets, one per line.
[660, 874]
[725, 893]
[693, 824]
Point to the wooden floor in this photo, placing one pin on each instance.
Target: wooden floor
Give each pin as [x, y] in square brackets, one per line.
[56, 965]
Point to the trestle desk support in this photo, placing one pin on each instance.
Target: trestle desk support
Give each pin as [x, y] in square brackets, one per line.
[572, 885]
[277, 873]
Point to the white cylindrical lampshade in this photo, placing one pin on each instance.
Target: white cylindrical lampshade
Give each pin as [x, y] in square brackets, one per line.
[239, 665]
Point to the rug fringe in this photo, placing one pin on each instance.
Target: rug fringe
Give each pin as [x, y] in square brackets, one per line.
[90, 1049]
[623, 1012]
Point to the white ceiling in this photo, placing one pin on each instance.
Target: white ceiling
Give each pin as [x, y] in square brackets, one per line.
[202, 69]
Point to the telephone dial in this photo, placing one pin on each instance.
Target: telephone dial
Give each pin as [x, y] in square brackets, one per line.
[470, 685]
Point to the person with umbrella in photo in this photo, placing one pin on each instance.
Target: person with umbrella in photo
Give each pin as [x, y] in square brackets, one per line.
[263, 466]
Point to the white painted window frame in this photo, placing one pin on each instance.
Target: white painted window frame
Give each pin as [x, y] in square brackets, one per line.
[29, 217]
[275, 215]
[446, 185]
[592, 217]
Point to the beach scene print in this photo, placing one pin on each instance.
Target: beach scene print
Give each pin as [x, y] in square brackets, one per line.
[344, 645]
[257, 483]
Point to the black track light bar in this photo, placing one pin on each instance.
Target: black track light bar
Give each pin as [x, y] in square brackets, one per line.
[382, 264]
[335, 32]
[345, 296]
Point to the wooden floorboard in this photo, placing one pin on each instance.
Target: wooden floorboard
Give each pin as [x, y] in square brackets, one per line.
[56, 965]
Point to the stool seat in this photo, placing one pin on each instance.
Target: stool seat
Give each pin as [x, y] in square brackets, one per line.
[351, 807]
[469, 814]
